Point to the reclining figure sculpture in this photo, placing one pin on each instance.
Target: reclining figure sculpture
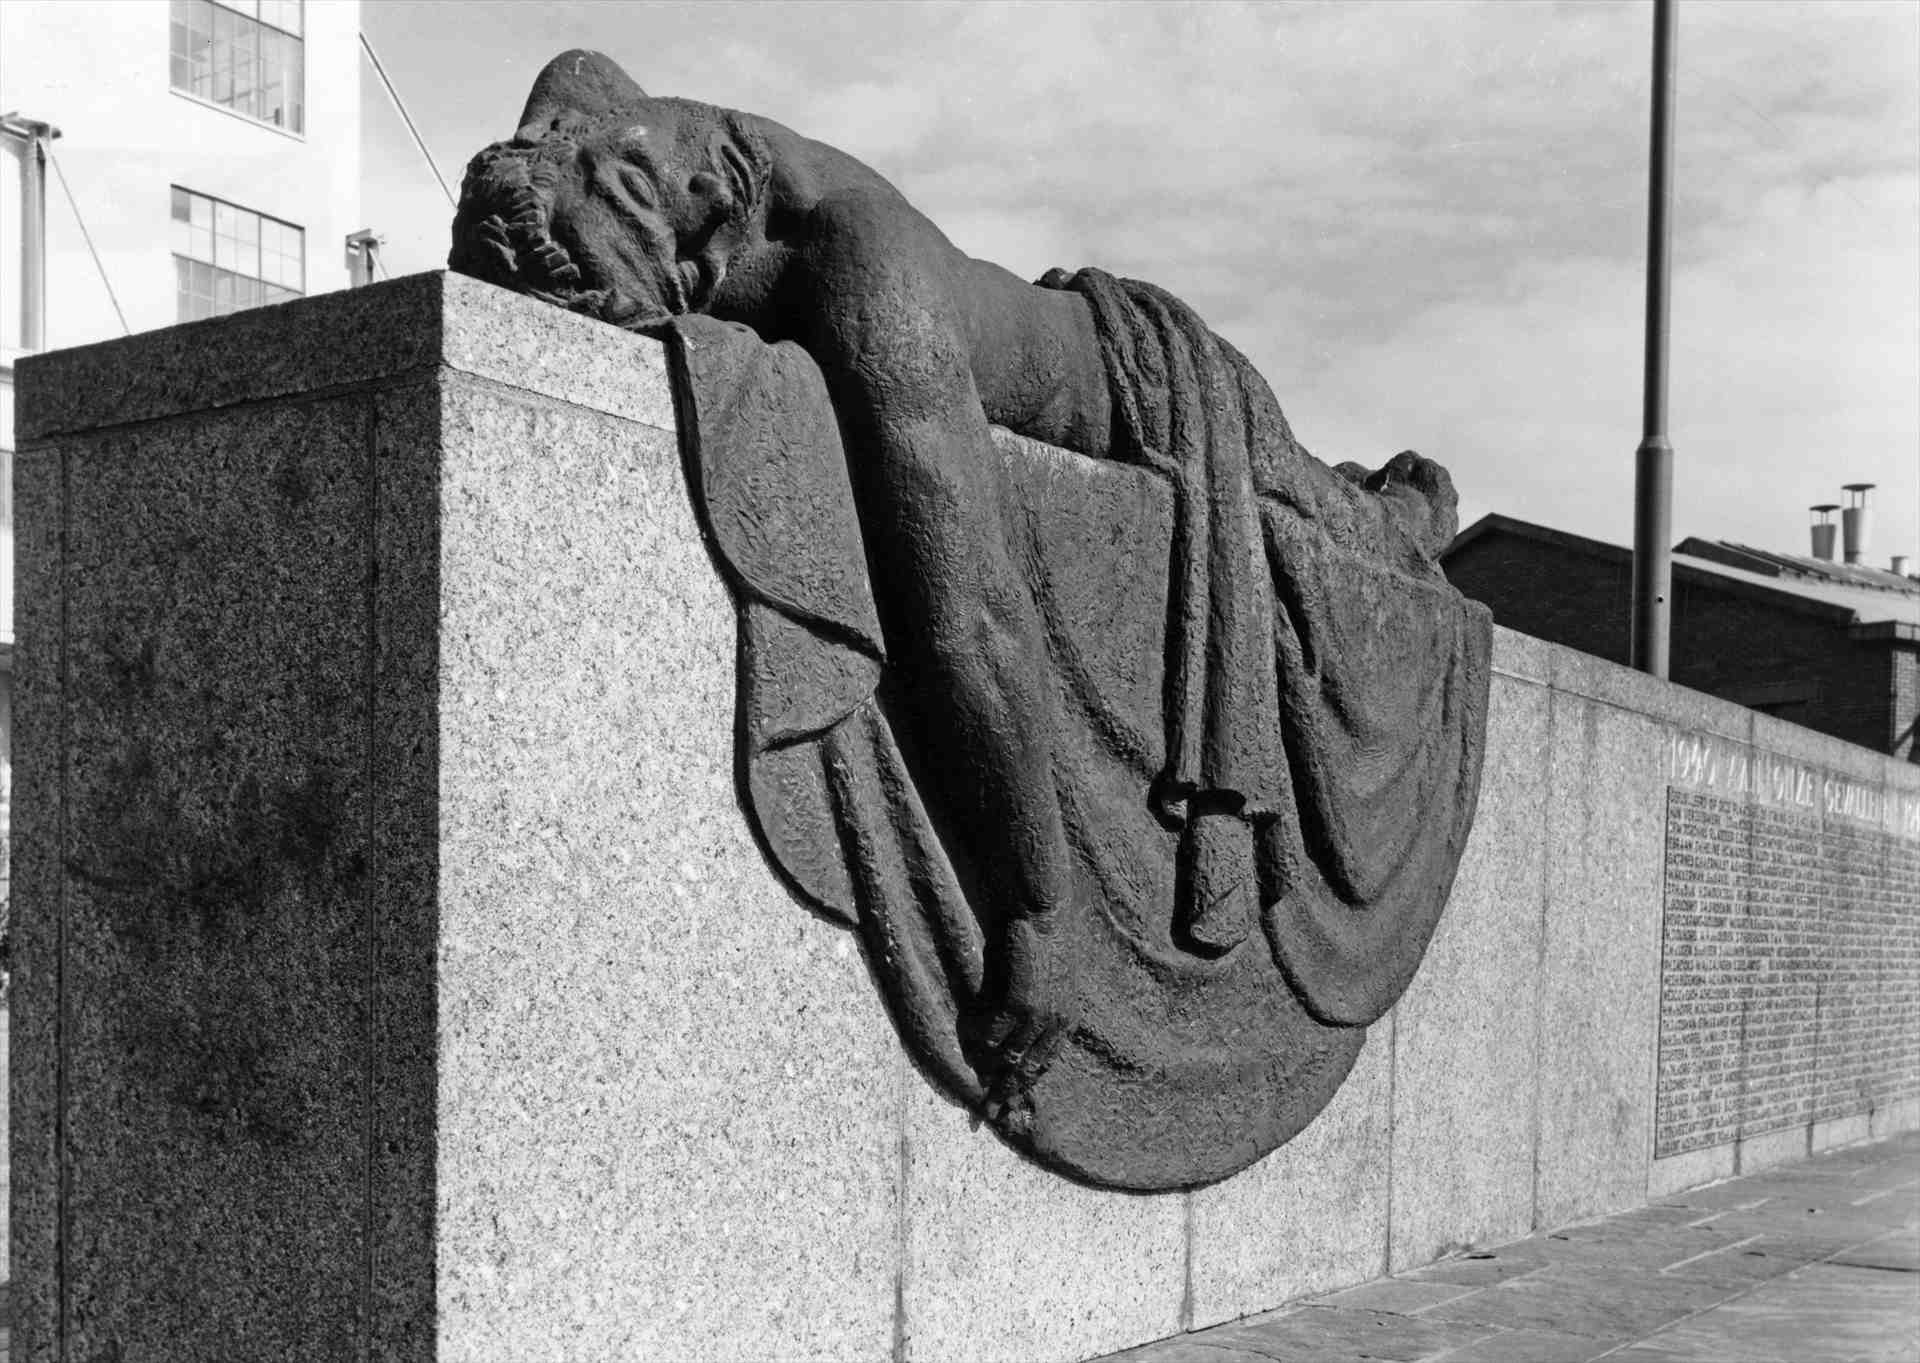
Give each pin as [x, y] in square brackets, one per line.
[1144, 769]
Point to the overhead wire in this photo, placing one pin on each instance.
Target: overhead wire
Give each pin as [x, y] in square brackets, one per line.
[405, 117]
[87, 237]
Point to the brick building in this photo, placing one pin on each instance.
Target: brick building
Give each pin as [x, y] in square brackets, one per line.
[1833, 646]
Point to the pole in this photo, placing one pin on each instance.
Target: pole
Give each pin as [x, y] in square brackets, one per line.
[33, 245]
[1653, 462]
[33, 226]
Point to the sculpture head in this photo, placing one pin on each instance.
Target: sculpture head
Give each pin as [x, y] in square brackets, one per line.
[611, 202]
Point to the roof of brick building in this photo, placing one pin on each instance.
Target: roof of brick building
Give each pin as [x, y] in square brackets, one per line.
[1873, 595]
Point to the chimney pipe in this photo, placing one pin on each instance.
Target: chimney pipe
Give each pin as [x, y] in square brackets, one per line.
[1855, 523]
[1824, 530]
[1902, 566]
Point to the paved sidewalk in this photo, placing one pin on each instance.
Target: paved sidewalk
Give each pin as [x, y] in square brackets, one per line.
[1816, 1262]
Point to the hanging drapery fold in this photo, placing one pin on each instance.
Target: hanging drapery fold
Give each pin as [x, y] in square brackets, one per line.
[1272, 712]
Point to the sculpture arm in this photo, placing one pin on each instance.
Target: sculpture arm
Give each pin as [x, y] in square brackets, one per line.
[1031, 352]
[892, 336]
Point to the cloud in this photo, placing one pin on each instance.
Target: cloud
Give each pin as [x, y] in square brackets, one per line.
[1424, 221]
[1796, 366]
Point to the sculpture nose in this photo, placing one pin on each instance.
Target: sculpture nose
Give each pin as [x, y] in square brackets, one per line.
[712, 196]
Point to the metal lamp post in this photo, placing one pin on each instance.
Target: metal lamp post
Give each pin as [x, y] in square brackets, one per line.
[1653, 469]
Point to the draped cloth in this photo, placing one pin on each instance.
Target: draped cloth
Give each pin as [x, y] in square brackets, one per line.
[1268, 754]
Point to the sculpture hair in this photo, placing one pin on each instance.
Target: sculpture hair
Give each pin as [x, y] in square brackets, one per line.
[503, 228]
[502, 231]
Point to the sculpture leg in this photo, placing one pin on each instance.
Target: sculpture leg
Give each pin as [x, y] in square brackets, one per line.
[964, 632]
[971, 652]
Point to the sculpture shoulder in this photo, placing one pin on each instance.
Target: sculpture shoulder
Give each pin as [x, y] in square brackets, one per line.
[872, 234]
[891, 292]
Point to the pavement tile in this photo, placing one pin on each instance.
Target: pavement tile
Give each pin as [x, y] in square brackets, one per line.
[1397, 1295]
[1851, 1196]
[1837, 1204]
[1836, 1231]
[1582, 1299]
[1530, 1346]
[1735, 1192]
[1819, 1263]
[1905, 1194]
[1478, 1270]
[1898, 1252]
[1807, 1172]
[1630, 1246]
[1656, 1214]
[1187, 1349]
[1895, 1207]
[1752, 1261]
[1800, 1181]
[1893, 1171]
[1819, 1314]
[1321, 1332]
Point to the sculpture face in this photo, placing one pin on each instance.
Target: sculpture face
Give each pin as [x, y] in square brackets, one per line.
[641, 213]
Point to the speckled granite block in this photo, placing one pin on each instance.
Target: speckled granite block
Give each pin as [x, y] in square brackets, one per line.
[1593, 678]
[312, 345]
[1312, 1216]
[398, 329]
[1668, 1176]
[1522, 656]
[1600, 976]
[1751, 1154]
[1466, 1031]
[1889, 1119]
[668, 1096]
[1801, 744]
[1840, 1131]
[404, 996]
[414, 989]
[6, 1229]
[208, 902]
[1005, 1260]
[492, 333]
[33, 1004]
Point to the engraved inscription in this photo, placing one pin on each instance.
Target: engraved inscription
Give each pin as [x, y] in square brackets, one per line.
[1702, 1000]
[1704, 762]
[1790, 966]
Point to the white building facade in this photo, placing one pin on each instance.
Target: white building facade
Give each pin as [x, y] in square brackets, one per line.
[253, 105]
[211, 149]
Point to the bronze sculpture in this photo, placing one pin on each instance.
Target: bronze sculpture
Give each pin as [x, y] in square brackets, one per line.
[1144, 776]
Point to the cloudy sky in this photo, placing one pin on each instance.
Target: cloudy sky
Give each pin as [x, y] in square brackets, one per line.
[1423, 221]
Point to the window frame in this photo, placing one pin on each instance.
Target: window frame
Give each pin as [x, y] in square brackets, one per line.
[234, 9]
[220, 273]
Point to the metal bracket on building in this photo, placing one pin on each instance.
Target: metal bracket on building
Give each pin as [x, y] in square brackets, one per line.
[363, 255]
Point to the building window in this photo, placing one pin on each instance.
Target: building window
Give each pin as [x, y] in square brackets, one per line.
[244, 55]
[227, 258]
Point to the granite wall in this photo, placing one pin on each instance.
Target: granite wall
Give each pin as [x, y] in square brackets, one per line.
[396, 976]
